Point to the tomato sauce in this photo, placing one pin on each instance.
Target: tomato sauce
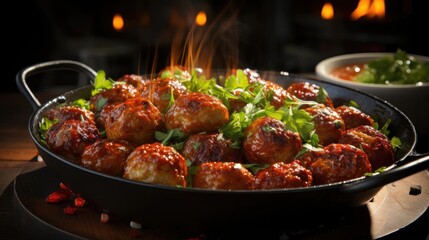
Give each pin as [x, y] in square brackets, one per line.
[349, 71]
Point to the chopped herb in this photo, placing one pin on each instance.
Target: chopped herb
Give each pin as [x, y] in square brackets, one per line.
[173, 137]
[101, 83]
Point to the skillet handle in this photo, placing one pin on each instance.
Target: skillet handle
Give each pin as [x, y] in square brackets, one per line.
[21, 76]
[388, 176]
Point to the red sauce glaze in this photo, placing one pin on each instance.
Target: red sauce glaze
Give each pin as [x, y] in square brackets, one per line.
[200, 148]
[336, 163]
[196, 112]
[328, 124]
[375, 144]
[158, 91]
[70, 138]
[156, 163]
[283, 175]
[68, 112]
[309, 92]
[107, 156]
[353, 117]
[135, 121]
[266, 141]
[223, 175]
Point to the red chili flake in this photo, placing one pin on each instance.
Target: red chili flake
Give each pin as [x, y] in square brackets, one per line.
[63, 186]
[57, 196]
[79, 202]
[70, 210]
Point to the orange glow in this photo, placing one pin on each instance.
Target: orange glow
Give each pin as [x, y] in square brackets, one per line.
[369, 8]
[118, 22]
[201, 18]
[327, 12]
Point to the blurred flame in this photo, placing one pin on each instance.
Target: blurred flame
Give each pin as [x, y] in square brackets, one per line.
[327, 12]
[201, 18]
[214, 46]
[370, 8]
[118, 22]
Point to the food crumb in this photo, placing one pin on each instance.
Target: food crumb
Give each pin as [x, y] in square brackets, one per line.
[135, 225]
[104, 218]
[415, 190]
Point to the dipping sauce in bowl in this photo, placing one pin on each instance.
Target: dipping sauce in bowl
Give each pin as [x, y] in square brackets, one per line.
[349, 71]
[401, 87]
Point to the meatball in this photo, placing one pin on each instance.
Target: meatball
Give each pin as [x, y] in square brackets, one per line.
[103, 115]
[279, 94]
[134, 120]
[69, 112]
[136, 81]
[200, 148]
[196, 112]
[353, 117]
[335, 163]
[107, 156]
[266, 141]
[328, 124]
[309, 92]
[223, 176]
[117, 94]
[70, 138]
[158, 164]
[374, 143]
[283, 175]
[160, 89]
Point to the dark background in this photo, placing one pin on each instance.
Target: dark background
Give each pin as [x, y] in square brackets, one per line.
[271, 34]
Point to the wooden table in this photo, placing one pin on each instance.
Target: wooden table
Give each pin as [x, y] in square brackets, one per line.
[17, 149]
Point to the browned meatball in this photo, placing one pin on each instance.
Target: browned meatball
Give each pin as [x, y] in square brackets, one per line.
[283, 175]
[200, 148]
[69, 112]
[279, 94]
[328, 124]
[107, 156]
[309, 92]
[196, 112]
[135, 121]
[70, 138]
[353, 117]
[103, 115]
[159, 91]
[136, 80]
[223, 176]
[374, 143]
[156, 163]
[117, 94]
[266, 141]
[335, 163]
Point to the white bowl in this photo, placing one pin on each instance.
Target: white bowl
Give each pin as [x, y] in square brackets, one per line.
[411, 99]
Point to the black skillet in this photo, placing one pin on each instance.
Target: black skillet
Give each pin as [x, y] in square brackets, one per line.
[189, 208]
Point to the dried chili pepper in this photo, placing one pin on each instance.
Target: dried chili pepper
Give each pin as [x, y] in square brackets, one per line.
[79, 202]
[70, 210]
[58, 196]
